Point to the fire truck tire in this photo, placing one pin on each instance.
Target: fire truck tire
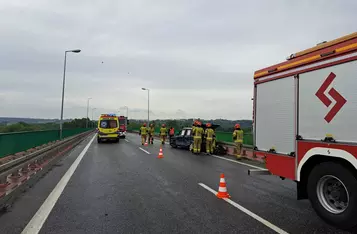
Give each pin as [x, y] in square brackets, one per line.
[332, 191]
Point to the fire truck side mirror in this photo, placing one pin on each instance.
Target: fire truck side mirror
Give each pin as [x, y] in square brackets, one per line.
[127, 122]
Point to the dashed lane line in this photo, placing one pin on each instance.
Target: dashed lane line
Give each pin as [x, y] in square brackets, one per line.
[144, 150]
[37, 221]
[248, 212]
[126, 140]
[241, 163]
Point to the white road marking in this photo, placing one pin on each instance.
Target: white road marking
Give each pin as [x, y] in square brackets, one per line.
[126, 140]
[37, 221]
[242, 163]
[144, 150]
[248, 212]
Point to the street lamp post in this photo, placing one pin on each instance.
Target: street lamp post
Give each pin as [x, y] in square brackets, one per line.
[87, 111]
[93, 109]
[148, 104]
[127, 114]
[63, 85]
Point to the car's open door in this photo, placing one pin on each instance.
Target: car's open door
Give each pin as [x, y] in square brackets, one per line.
[179, 138]
[188, 138]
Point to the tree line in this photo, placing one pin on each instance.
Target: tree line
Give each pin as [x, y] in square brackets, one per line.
[224, 124]
[26, 127]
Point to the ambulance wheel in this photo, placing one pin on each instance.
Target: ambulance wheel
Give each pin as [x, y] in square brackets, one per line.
[332, 191]
[117, 140]
[99, 140]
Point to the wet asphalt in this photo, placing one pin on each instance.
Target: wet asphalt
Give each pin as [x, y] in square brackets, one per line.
[119, 188]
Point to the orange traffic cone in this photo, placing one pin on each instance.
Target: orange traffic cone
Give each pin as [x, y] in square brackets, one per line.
[222, 190]
[161, 154]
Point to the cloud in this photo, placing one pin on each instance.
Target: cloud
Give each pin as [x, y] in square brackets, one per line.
[196, 57]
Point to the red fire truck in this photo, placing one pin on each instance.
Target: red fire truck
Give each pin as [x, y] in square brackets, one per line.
[305, 126]
[123, 126]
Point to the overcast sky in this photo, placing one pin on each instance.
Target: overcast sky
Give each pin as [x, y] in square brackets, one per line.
[196, 57]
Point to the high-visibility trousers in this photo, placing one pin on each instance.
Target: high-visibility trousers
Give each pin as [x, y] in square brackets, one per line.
[197, 144]
[151, 138]
[143, 139]
[163, 139]
[209, 146]
[238, 149]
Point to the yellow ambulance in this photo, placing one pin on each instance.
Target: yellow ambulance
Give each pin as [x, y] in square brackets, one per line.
[108, 128]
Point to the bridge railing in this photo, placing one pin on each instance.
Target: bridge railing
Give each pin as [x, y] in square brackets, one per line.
[11, 143]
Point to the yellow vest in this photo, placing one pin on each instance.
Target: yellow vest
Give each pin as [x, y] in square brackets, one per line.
[197, 132]
[151, 130]
[238, 136]
[163, 131]
[143, 130]
[209, 133]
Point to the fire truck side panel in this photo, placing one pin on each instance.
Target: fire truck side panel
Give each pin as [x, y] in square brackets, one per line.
[319, 113]
[281, 165]
[274, 116]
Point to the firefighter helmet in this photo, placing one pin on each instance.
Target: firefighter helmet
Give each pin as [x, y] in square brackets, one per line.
[237, 126]
[208, 125]
[144, 124]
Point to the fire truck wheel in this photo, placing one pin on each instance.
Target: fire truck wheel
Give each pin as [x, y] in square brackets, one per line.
[332, 191]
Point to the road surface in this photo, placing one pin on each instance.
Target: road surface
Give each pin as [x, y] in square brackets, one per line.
[124, 188]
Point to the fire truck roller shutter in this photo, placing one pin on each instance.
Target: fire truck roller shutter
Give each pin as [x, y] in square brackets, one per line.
[275, 110]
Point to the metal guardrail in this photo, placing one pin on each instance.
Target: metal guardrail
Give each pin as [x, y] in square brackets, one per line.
[11, 143]
[16, 174]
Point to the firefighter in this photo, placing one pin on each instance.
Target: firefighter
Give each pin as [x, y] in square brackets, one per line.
[163, 133]
[197, 138]
[238, 140]
[209, 133]
[151, 134]
[143, 132]
[171, 132]
[194, 125]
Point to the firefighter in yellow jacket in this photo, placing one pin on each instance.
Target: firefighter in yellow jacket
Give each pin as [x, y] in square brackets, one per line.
[151, 134]
[238, 140]
[197, 138]
[163, 133]
[209, 133]
[143, 132]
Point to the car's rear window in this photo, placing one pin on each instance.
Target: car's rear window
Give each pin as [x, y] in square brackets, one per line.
[107, 123]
